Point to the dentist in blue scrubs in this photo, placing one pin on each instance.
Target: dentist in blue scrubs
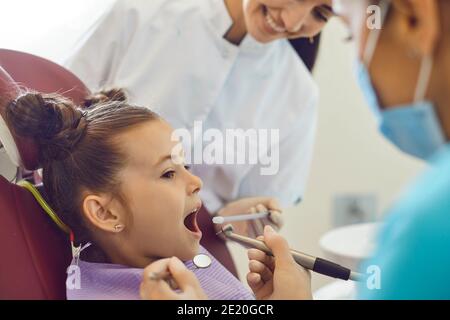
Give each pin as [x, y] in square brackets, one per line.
[404, 71]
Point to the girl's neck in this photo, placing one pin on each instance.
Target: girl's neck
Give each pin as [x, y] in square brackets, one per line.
[131, 259]
[238, 30]
[115, 252]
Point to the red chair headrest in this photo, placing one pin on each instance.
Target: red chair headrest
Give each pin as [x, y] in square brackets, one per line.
[22, 152]
[22, 70]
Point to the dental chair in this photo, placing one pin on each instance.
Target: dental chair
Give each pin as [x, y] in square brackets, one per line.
[34, 252]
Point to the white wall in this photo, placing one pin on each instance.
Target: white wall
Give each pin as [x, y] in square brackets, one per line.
[350, 155]
[46, 28]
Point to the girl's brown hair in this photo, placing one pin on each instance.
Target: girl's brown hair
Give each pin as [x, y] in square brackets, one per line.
[78, 149]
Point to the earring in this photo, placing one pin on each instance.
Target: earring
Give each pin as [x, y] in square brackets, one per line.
[119, 227]
[311, 40]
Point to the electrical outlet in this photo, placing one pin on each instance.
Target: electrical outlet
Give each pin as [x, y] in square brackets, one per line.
[354, 208]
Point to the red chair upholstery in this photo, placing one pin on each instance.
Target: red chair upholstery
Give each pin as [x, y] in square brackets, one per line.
[34, 252]
[213, 243]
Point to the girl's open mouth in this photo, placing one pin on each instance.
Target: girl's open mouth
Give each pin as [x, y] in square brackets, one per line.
[191, 224]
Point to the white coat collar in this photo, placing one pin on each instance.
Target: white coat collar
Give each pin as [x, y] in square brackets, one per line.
[217, 15]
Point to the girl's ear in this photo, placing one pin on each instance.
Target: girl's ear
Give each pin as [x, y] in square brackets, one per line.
[418, 24]
[101, 213]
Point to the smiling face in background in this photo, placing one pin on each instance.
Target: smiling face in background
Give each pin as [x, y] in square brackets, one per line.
[269, 20]
[161, 198]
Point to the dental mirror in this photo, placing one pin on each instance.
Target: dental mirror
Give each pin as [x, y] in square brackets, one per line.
[202, 261]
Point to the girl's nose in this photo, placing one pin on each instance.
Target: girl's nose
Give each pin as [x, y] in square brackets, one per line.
[195, 184]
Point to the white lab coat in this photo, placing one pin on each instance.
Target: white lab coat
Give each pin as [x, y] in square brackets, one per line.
[170, 55]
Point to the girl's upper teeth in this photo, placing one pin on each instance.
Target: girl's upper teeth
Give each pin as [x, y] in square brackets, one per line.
[274, 25]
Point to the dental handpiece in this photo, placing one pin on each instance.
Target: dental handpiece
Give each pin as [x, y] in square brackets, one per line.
[309, 262]
[274, 216]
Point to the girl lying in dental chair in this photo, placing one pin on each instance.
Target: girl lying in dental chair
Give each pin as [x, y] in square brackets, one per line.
[109, 173]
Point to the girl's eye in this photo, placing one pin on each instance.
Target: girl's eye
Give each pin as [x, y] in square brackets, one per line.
[168, 175]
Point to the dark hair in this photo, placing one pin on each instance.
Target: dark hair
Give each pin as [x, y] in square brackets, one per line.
[307, 50]
[78, 151]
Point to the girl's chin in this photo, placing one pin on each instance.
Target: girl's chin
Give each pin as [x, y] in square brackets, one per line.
[191, 252]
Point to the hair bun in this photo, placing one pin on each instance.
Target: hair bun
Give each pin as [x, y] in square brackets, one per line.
[54, 122]
[105, 96]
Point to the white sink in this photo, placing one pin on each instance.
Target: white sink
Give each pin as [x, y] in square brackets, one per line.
[350, 245]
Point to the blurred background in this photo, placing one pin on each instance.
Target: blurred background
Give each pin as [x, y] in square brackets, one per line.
[355, 174]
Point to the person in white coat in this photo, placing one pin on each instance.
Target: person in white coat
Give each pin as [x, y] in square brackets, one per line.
[226, 64]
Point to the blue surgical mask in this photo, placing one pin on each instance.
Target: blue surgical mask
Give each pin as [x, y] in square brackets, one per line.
[414, 128]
